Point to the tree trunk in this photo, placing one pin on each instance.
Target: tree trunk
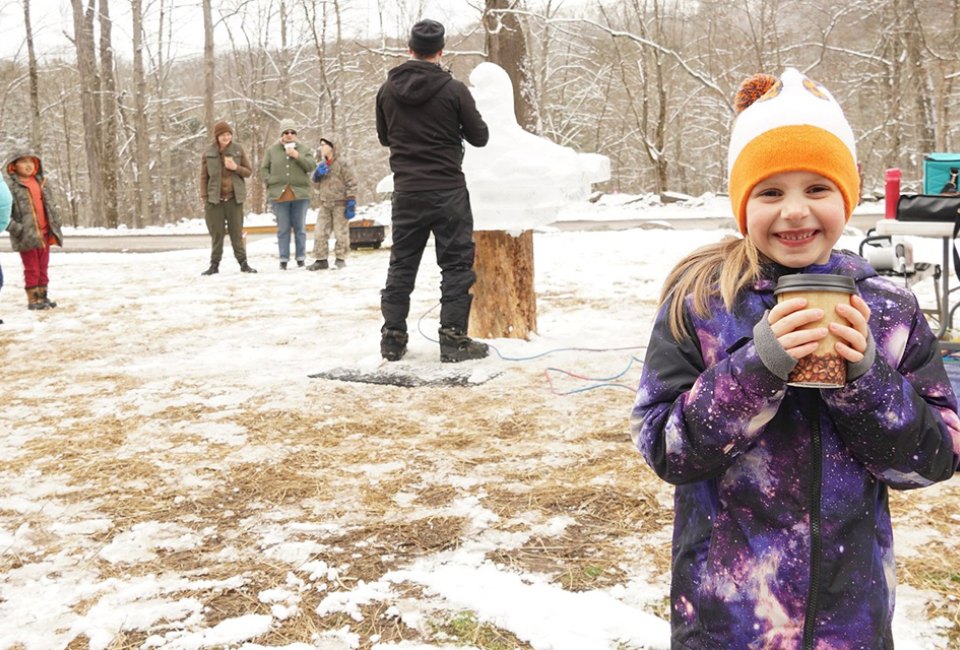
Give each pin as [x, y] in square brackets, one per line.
[160, 92]
[73, 194]
[140, 135]
[918, 75]
[284, 58]
[35, 140]
[89, 89]
[338, 91]
[109, 119]
[504, 300]
[208, 66]
[507, 47]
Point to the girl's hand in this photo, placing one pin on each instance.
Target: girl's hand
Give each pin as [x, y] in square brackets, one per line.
[853, 341]
[785, 320]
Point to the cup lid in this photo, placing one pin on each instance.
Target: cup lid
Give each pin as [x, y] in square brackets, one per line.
[815, 282]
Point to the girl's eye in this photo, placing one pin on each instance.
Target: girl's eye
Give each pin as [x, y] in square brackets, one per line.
[818, 189]
[769, 192]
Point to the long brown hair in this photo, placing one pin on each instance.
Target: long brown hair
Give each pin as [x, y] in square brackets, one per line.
[722, 268]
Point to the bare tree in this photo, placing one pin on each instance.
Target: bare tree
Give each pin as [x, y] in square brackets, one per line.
[330, 65]
[89, 90]
[208, 67]
[35, 140]
[507, 47]
[915, 49]
[649, 83]
[140, 129]
[161, 72]
[69, 173]
[109, 118]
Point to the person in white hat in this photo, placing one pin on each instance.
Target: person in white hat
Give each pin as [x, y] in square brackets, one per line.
[782, 535]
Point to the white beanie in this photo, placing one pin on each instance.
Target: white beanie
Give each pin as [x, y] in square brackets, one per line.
[784, 125]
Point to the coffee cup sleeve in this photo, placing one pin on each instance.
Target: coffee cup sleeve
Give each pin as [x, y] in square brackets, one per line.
[771, 353]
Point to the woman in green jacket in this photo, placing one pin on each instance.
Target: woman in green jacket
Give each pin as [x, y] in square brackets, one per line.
[222, 190]
[286, 169]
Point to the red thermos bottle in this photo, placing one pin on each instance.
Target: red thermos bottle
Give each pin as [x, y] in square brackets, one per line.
[891, 193]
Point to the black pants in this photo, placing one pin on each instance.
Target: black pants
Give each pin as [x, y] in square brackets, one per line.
[446, 214]
[222, 218]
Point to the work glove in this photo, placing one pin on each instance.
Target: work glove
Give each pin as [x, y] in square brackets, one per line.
[320, 171]
[351, 210]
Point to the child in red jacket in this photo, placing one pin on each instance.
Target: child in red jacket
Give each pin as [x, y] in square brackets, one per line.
[34, 226]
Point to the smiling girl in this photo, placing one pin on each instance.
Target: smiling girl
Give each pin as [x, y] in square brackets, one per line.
[782, 534]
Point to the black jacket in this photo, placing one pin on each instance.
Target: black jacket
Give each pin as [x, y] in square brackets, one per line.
[423, 115]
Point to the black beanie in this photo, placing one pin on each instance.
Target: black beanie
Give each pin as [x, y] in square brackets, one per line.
[426, 37]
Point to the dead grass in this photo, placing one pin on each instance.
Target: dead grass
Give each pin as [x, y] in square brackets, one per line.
[937, 566]
[463, 627]
[379, 479]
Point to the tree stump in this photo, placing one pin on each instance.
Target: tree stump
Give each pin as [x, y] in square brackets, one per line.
[504, 300]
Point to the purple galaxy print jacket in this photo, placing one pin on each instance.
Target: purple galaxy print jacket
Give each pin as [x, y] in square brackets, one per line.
[782, 535]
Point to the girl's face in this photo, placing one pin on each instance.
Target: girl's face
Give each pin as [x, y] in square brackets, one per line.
[795, 218]
[224, 139]
[24, 166]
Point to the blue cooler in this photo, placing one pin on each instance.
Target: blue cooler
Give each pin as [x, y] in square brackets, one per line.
[936, 170]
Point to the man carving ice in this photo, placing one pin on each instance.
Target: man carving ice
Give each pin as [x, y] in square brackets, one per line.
[423, 115]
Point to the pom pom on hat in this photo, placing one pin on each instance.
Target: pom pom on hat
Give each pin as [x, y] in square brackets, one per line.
[220, 128]
[426, 37]
[793, 124]
[753, 89]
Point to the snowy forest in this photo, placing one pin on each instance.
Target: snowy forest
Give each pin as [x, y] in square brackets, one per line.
[648, 83]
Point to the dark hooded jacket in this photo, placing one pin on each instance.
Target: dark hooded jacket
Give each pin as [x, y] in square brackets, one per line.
[24, 228]
[423, 115]
[782, 535]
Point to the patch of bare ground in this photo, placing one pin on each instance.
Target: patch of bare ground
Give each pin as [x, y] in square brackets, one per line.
[936, 565]
[375, 483]
[588, 553]
[123, 641]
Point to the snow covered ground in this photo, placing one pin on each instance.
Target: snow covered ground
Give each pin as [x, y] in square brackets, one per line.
[173, 478]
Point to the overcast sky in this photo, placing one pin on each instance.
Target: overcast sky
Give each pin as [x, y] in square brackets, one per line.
[53, 23]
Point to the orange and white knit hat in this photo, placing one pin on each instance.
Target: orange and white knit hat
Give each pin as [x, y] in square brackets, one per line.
[785, 125]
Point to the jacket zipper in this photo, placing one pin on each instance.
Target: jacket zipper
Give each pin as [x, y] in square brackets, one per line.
[816, 537]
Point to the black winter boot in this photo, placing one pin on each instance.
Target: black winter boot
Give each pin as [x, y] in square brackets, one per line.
[319, 265]
[456, 346]
[393, 344]
[246, 268]
[214, 269]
